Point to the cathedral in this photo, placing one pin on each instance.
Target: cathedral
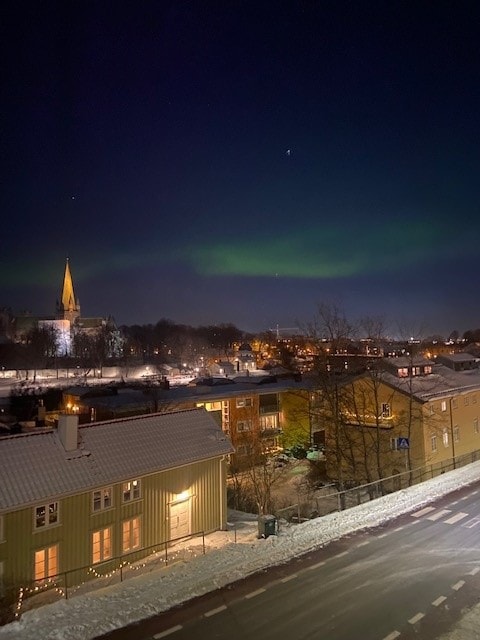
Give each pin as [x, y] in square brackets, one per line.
[67, 321]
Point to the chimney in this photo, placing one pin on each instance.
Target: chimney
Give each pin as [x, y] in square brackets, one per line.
[68, 431]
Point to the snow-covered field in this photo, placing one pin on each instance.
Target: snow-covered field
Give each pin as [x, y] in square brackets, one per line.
[86, 616]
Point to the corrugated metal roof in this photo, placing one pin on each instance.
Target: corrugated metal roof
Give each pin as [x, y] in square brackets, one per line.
[35, 467]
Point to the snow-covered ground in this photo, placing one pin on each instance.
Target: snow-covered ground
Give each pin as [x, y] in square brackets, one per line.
[86, 616]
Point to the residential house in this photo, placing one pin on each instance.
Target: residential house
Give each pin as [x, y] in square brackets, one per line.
[102, 495]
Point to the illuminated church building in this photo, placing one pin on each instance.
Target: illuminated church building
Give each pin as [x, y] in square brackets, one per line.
[67, 320]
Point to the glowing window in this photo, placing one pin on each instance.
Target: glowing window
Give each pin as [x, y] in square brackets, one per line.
[130, 535]
[46, 562]
[101, 545]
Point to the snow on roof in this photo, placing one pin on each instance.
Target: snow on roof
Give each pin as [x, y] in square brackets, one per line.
[91, 615]
[36, 467]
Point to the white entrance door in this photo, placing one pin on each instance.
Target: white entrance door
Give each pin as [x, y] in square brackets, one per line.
[179, 519]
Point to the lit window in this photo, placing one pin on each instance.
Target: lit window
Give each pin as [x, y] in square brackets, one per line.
[131, 490]
[386, 410]
[445, 438]
[269, 422]
[102, 499]
[46, 562]
[46, 515]
[444, 405]
[131, 535]
[427, 369]
[101, 545]
[456, 434]
[433, 440]
[403, 372]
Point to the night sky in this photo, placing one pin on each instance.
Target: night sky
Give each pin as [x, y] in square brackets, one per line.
[241, 161]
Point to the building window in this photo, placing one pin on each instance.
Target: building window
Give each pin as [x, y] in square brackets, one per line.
[454, 403]
[466, 401]
[2, 584]
[386, 410]
[444, 405]
[130, 535]
[101, 545]
[2, 538]
[456, 434]
[244, 402]
[433, 440]
[474, 399]
[244, 425]
[131, 490]
[46, 563]
[403, 372]
[416, 371]
[427, 369]
[393, 444]
[102, 499]
[46, 515]
[445, 438]
[269, 422]
[431, 408]
[475, 425]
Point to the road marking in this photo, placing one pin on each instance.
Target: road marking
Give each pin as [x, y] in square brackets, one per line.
[212, 612]
[167, 632]
[419, 514]
[382, 535]
[392, 636]
[254, 593]
[465, 498]
[340, 555]
[287, 578]
[456, 502]
[458, 585]
[474, 493]
[397, 529]
[363, 544]
[416, 618]
[439, 514]
[438, 601]
[469, 524]
[456, 518]
[473, 572]
[316, 566]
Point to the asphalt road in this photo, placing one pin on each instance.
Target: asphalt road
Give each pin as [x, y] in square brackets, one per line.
[412, 578]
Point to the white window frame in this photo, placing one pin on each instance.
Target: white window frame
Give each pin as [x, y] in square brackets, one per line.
[131, 490]
[433, 441]
[456, 433]
[444, 405]
[49, 558]
[103, 498]
[244, 402]
[131, 534]
[475, 426]
[51, 516]
[102, 549]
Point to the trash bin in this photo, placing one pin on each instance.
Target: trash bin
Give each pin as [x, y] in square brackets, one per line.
[267, 526]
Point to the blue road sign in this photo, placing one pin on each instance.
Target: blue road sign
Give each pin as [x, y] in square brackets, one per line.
[403, 443]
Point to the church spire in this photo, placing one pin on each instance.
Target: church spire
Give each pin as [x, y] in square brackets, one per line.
[69, 306]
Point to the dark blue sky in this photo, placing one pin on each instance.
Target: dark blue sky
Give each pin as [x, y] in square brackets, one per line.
[242, 161]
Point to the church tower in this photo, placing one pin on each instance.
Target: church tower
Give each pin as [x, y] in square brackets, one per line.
[69, 307]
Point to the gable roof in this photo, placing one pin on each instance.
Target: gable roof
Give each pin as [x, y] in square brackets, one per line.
[36, 467]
